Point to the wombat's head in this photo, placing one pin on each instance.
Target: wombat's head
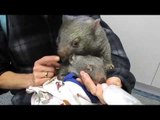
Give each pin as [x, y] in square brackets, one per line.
[94, 66]
[76, 35]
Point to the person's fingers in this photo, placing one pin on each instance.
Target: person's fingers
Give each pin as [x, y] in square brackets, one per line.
[88, 82]
[49, 60]
[45, 74]
[99, 93]
[45, 68]
[40, 81]
[78, 79]
[99, 90]
[41, 68]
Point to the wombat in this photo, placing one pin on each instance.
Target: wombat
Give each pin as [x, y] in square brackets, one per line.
[83, 35]
[93, 65]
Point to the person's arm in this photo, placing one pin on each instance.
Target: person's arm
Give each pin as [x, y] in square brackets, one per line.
[8, 79]
[11, 80]
[119, 58]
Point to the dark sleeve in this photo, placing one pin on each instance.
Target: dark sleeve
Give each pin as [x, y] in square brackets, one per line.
[119, 58]
[4, 56]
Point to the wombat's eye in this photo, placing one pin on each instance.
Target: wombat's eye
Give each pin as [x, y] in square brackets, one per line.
[89, 67]
[75, 42]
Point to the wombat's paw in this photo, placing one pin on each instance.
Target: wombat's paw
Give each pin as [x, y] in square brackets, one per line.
[60, 77]
[109, 66]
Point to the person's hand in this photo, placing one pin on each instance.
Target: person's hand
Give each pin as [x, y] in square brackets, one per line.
[44, 69]
[95, 90]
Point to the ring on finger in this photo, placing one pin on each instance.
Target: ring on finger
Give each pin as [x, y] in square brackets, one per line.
[46, 74]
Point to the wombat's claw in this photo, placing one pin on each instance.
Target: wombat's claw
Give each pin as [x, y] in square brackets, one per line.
[111, 67]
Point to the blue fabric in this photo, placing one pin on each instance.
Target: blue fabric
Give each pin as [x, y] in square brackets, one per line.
[3, 23]
[72, 77]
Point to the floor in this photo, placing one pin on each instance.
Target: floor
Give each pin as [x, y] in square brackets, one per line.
[5, 99]
[146, 98]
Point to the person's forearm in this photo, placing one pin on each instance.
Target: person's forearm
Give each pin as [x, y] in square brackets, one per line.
[11, 80]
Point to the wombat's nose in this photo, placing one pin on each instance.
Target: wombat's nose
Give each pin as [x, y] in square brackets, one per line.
[60, 61]
[61, 54]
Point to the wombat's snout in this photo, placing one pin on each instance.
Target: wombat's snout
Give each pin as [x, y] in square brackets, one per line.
[102, 80]
[100, 77]
[61, 54]
[64, 52]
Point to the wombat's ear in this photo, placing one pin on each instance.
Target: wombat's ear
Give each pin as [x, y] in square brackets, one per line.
[96, 24]
[72, 59]
[67, 18]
